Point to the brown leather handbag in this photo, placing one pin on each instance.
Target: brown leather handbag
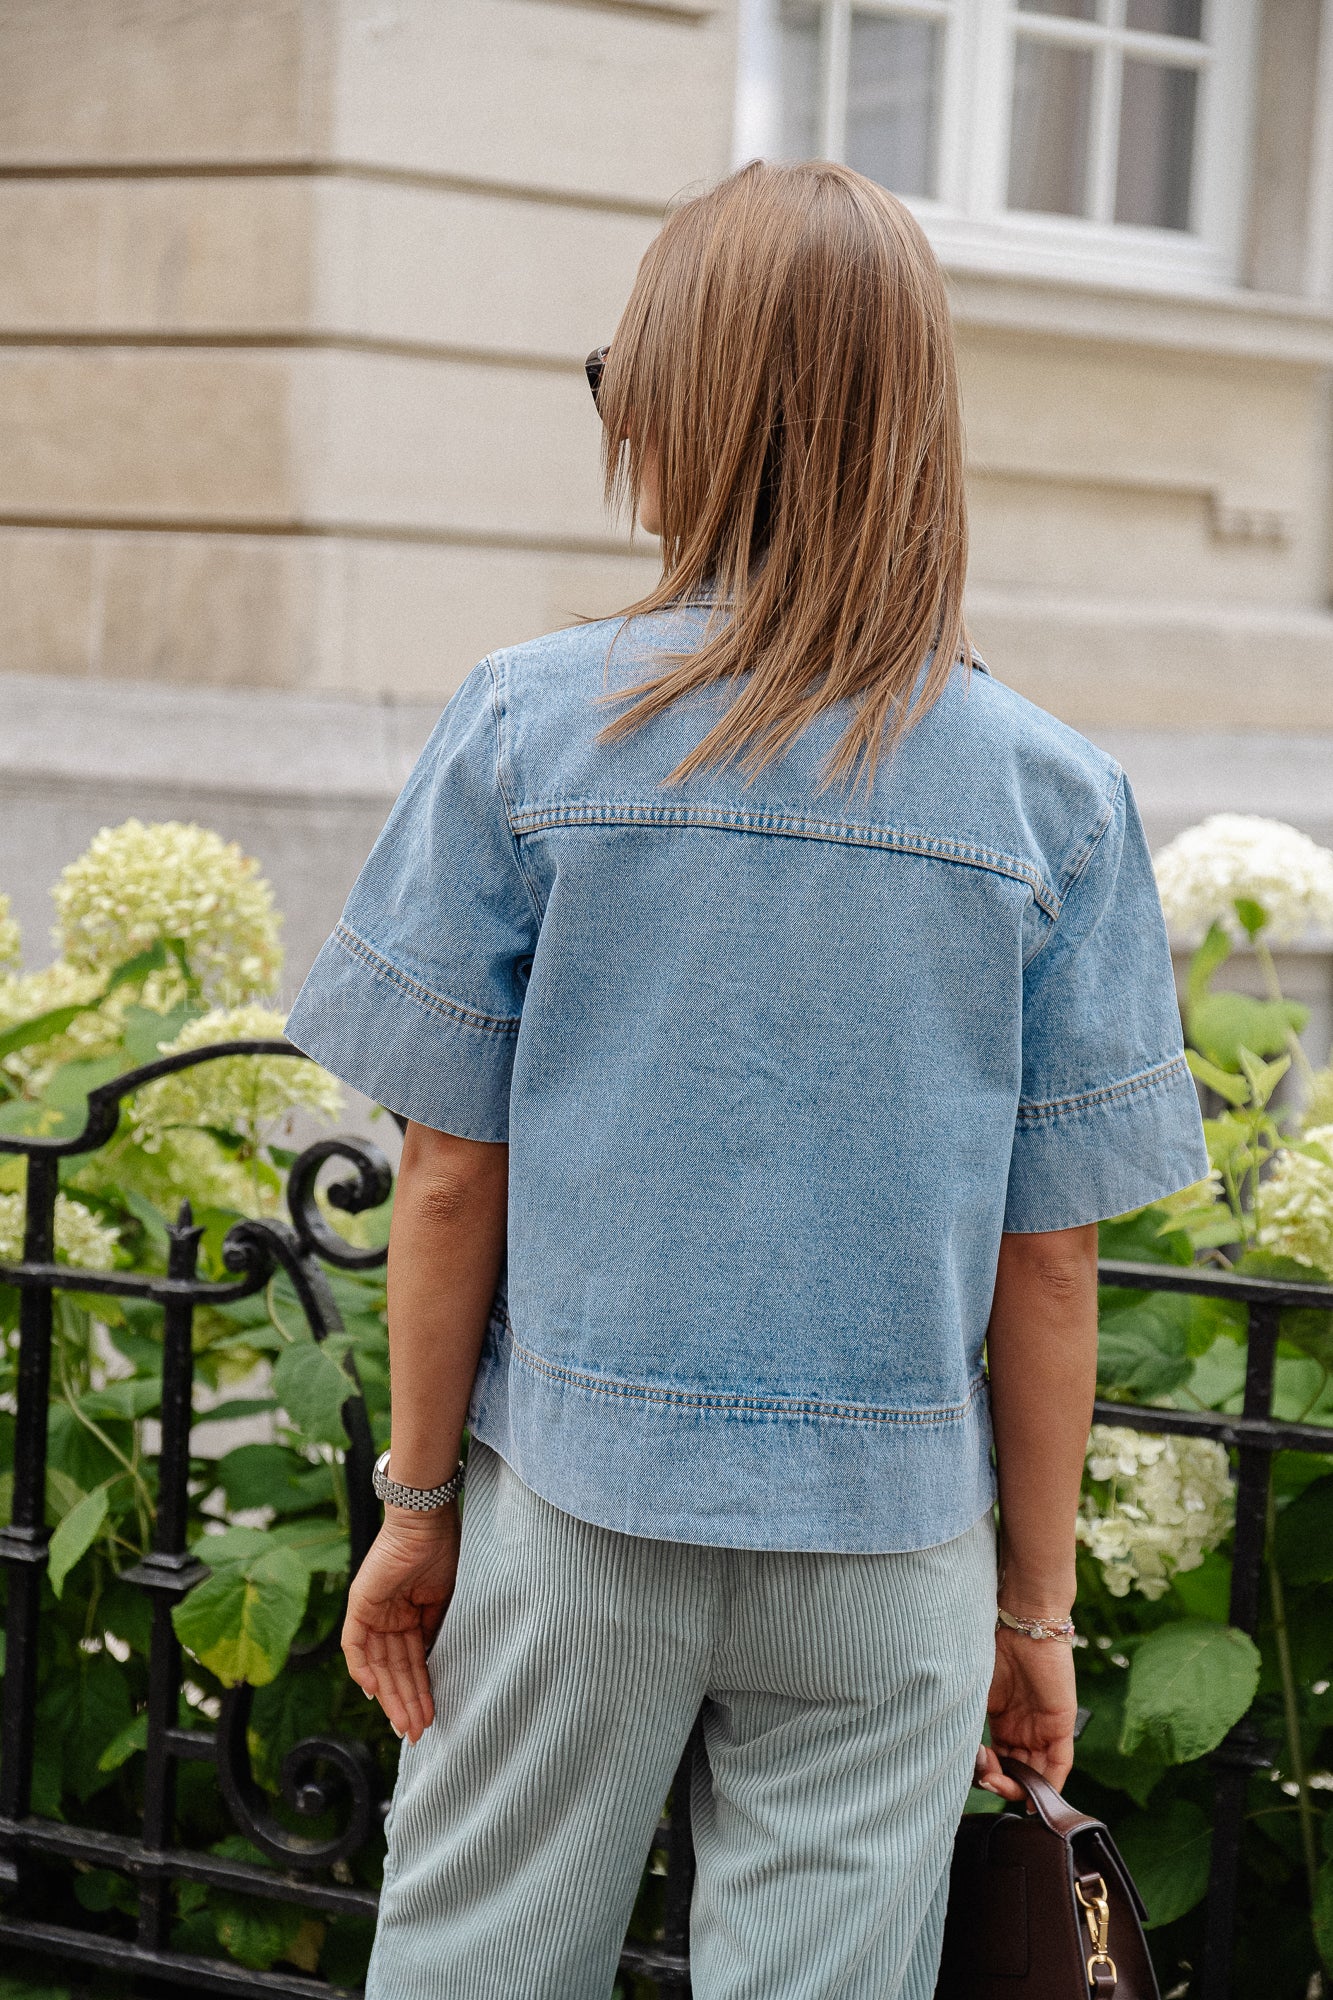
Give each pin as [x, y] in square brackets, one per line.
[1041, 1907]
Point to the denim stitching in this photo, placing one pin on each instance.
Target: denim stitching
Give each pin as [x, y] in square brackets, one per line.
[932, 847]
[1077, 874]
[533, 897]
[432, 1003]
[1048, 1111]
[600, 1385]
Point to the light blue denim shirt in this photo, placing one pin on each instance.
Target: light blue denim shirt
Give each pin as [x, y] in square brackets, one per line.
[776, 1067]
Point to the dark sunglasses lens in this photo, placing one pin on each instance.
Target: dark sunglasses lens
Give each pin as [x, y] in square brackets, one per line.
[593, 367]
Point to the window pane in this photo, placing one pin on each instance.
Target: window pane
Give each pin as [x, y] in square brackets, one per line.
[1070, 10]
[1167, 17]
[1048, 139]
[1153, 178]
[892, 98]
[798, 80]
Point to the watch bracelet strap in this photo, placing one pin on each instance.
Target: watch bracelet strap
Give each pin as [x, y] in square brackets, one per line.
[416, 1499]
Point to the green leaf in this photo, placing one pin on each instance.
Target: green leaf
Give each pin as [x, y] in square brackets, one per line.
[239, 1406]
[318, 1543]
[78, 1715]
[1205, 1591]
[1303, 1539]
[24, 1118]
[271, 1475]
[1233, 1088]
[1147, 1236]
[1263, 1078]
[1311, 1330]
[167, 951]
[99, 1889]
[134, 1736]
[1143, 1346]
[1253, 916]
[132, 1397]
[1224, 1023]
[1189, 1682]
[1168, 1854]
[240, 1622]
[145, 1031]
[1211, 956]
[256, 1934]
[75, 1536]
[312, 1386]
[1097, 1749]
[42, 1027]
[288, 1710]
[1321, 1915]
[71, 1083]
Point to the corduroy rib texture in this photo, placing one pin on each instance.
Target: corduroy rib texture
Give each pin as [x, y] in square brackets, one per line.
[843, 1700]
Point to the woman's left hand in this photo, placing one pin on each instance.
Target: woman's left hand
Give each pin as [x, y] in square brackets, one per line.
[1033, 1707]
[394, 1610]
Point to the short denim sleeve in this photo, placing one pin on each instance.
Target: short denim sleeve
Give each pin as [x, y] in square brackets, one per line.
[1108, 1118]
[416, 997]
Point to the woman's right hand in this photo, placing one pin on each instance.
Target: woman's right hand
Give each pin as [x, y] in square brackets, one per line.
[1032, 1709]
[395, 1607]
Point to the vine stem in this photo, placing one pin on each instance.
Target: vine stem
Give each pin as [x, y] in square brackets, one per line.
[1291, 1711]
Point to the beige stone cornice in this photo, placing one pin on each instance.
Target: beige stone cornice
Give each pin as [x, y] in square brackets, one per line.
[1250, 325]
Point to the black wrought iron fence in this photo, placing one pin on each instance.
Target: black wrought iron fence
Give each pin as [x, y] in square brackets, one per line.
[329, 1774]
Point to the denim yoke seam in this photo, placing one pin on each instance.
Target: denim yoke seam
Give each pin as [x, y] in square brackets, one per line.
[931, 847]
[421, 996]
[1079, 865]
[497, 711]
[726, 1403]
[1048, 1111]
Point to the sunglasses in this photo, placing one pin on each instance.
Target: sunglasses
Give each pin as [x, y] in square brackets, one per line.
[593, 368]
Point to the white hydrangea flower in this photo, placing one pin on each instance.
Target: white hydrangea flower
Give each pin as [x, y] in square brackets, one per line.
[1296, 1203]
[1203, 870]
[10, 942]
[137, 884]
[81, 1240]
[248, 1095]
[1152, 1506]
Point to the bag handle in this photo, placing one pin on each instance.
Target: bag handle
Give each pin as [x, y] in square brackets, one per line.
[1053, 1811]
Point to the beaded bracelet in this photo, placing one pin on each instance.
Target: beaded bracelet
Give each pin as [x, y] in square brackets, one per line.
[1038, 1628]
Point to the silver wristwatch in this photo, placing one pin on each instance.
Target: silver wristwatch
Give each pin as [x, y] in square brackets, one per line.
[419, 1499]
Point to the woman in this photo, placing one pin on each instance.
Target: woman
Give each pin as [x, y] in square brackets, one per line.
[784, 1001]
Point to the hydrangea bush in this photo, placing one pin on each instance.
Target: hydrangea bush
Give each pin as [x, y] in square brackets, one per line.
[168, 941]
[1161, 1672]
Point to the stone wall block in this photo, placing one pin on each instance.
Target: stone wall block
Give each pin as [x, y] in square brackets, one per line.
[604, 102]
[106, 434]
[171, 80]
[185, 256]
[472, 269]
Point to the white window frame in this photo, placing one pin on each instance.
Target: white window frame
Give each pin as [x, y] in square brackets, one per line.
[968, 220]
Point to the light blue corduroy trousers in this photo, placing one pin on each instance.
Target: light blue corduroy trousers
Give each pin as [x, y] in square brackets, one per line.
[843, 1700]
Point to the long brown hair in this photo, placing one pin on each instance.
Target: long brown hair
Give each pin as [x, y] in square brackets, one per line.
[786, 356]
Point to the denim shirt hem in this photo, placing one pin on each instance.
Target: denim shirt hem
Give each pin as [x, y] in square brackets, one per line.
[749, 1472]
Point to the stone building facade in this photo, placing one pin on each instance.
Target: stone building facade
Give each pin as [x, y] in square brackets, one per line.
[294, 296]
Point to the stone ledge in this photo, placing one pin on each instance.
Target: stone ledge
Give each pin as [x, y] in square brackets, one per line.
[239, 744]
